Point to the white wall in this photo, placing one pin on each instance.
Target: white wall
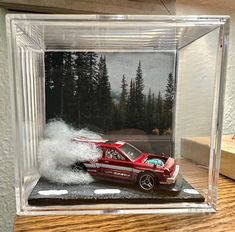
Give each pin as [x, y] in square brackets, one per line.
[218, 7]
[195, 88]
[7, 199]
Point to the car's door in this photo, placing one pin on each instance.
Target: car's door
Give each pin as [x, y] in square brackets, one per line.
[115, 165]
[94, 167]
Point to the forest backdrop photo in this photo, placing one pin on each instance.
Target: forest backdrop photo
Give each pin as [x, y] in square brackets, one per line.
[107, 92]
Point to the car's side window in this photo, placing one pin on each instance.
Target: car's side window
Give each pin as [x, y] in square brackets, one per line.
[113, 154]
[100, 151]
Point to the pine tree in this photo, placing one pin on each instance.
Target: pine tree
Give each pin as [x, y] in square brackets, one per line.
[67, 88]
[139, 87]
[91, 59]
[149, 112]
[139, 84]
[169, 101]
[116, 117]
[103, 96]
[80, 77]
[90, 98]
[53, 83]
[159, 123]
[123, 101]
[85, 78]
[49, 85]
[131, 106]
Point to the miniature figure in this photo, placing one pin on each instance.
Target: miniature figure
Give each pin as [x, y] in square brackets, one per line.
[122, 162]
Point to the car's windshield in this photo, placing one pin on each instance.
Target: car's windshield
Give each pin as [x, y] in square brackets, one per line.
[131, 152]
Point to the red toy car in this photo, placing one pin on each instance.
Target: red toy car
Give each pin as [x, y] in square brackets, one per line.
[123, 162]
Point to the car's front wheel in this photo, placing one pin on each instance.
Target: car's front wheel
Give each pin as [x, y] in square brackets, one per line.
[147, 181]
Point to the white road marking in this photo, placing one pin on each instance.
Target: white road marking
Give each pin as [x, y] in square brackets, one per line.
[191, 191]
[107, 191]
[53, 192]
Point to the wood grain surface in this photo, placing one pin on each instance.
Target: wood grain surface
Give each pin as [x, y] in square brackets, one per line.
[223, 220]
[165, 7]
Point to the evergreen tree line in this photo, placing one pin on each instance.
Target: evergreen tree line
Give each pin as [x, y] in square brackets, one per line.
[78, 91]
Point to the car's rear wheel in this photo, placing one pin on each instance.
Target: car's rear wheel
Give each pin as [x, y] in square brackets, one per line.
[147, 181]
[78, 167]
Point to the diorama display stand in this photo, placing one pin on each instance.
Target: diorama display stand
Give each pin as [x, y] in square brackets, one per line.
[85, 194]
[223, 220]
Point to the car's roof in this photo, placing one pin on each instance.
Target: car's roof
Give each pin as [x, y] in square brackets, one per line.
[100, 142]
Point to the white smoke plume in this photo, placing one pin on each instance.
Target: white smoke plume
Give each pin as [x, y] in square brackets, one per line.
[57, 152]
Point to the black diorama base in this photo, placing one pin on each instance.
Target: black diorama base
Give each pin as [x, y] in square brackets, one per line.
[181, 191]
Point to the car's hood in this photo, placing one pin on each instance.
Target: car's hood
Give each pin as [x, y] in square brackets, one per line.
[147, 155]
[159, 161]
[141, 158]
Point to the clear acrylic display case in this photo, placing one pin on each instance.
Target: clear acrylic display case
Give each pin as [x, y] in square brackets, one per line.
[198, 47]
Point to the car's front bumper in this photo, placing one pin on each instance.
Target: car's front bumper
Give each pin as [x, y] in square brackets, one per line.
[171, 180]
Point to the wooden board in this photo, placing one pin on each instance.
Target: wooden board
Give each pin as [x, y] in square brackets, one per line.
[227, 166]
[197, 150]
